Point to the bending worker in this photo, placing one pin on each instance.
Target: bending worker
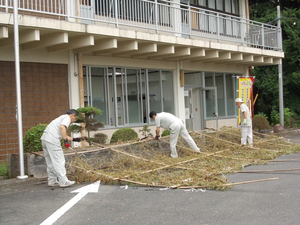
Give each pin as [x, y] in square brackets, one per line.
[246, 123]
[54, 156]
[176, 127]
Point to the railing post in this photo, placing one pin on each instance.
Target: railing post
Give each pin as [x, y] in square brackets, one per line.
[218, 26]
[190, 20]
[116, 13]
[243, 31]
[156, 16]
[6, 6]
[68, 9]
[263, 36]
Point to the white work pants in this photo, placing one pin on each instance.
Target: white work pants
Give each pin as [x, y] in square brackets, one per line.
[180, 130]
[247, 135]
[55, 161]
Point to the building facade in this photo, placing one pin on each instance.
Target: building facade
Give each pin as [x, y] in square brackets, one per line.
[127, 58]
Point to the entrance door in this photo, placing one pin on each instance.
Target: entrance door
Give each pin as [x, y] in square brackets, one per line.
[211, 106]
[193, 114]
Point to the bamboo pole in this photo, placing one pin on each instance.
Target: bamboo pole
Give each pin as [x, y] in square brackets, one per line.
[251, 181]
[284, 160]
[232, 184]
[263, 171]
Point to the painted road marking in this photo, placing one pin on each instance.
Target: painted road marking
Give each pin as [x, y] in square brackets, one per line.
[91, 188]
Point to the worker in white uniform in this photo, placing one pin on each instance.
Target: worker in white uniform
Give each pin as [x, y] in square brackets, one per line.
[175, 125]
[53, 152]
[246, 123]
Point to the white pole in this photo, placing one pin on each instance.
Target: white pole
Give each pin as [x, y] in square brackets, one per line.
[18, 89]
[280, 82]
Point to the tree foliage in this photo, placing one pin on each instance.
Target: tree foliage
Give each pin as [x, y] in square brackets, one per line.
[87, 116]
[266, 78]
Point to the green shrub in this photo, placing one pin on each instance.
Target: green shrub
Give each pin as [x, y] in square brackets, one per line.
[165, 133]
[4, 170]
[124, 134]
[260, 122]
[275, 117]
[31, 141]
[100, 138]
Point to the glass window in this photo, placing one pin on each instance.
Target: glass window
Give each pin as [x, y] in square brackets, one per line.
[95, 94]
[154, 90]
[134, 95]
[230, 90]
[202, 2]
[122, 94]
[220, 94]
[219, 5]
[228, 6]
[209, 79]
[212, 4]
[235, 7]
[225, 90]
[193, 78]
[167, 89]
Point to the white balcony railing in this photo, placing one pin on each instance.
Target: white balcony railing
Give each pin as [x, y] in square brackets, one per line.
[157, 15]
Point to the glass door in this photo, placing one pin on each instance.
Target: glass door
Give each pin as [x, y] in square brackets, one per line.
[211, 105]
[188, 103]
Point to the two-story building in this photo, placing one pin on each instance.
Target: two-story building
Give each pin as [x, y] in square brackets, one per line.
[128, 57]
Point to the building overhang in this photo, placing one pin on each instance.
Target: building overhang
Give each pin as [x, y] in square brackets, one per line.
[104, 40]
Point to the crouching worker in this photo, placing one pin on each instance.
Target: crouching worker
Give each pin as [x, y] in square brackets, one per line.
[53, 152]
[175, 125]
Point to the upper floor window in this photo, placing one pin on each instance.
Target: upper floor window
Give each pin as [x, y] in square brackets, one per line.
[225, 6]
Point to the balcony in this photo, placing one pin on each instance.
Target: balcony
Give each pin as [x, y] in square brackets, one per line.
[154, 17]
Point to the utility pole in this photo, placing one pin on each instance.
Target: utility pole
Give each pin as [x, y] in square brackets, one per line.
[280, 80]
[18, 89]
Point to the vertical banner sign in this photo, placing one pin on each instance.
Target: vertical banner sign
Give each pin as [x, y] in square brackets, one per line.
[245, 92]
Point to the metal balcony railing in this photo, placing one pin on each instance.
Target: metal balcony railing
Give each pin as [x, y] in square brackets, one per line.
[157, 15]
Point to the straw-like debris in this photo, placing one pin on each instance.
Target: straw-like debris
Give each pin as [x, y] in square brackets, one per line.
[148, 162]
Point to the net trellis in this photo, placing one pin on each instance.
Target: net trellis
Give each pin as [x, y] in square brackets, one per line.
[148, 162]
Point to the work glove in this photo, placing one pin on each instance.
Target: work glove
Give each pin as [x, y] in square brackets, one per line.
[245, 122]
[77, 139]
[156, 137]
[67, 143]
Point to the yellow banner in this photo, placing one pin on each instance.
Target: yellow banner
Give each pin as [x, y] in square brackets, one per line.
[245, 92]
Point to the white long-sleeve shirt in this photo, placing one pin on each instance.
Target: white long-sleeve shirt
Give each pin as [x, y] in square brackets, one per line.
[166, 120]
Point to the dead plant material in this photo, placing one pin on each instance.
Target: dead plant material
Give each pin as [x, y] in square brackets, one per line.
[148, 162]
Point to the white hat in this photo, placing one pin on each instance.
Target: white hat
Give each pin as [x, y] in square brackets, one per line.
[239, 100]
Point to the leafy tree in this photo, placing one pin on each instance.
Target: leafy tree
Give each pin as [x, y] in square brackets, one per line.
[266, 78]
[146, 132]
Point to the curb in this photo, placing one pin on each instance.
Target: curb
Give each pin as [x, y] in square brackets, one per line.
[12, 184]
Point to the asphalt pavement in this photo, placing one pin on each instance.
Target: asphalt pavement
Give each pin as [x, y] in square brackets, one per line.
[273, 202]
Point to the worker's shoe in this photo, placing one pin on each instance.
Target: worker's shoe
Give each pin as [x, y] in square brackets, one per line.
[53, 184]
[67, 184]
[174, 155]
